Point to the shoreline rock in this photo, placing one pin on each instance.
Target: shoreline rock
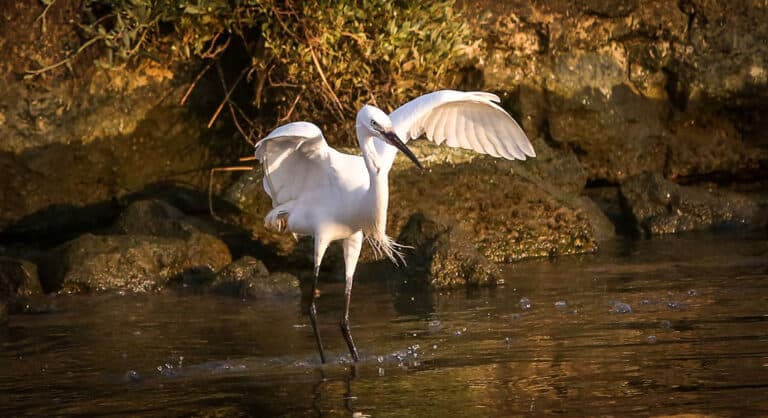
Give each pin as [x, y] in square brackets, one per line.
[443, 256]
[136, 263]
[248, 277]
[659, 206]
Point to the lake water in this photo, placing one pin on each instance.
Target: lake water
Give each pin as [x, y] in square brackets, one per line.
[652, 327]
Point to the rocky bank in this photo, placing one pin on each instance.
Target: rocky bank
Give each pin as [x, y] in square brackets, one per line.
[647, 118]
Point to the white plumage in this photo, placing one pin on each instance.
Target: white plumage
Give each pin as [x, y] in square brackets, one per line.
[330, 195]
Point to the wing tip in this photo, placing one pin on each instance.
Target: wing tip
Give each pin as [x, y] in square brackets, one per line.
[491, 97]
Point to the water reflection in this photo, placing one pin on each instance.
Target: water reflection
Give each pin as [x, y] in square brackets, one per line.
[550, 341]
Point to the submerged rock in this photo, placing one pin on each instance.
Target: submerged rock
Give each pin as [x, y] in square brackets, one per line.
[136, 263]
[445, 253]
[659, 206]
[249, 277]
[18, 278]
[620, 307]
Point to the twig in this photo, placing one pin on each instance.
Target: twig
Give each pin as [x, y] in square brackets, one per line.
[194, 83]
[226, 98]
[325, 81]
[42, 15]
[237, 124]
[293, 106]
[65, 60]
[233, 106]
[219, 49]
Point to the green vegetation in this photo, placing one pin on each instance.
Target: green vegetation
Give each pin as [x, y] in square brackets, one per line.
[314, 59]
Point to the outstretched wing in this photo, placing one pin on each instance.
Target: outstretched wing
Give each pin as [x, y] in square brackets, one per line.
[295, 158]
[470, 120]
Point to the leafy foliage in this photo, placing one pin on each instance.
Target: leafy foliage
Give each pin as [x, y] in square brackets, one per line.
[317, 59]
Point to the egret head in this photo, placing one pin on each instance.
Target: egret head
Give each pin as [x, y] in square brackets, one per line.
[372, 122]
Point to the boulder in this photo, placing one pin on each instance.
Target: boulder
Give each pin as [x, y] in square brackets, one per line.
[18, 278]
[249, 277]
[153, 217]
[659, 206]
[136, 263]
[510, 209]
[444, 252]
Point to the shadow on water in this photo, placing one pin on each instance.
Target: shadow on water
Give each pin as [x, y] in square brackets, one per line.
[667, 326]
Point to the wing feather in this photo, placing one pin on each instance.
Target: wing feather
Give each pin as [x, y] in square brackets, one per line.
[470, 120]
[460, 130]
[295, 158]
[444, 128]
[484, 133]
[438, 134]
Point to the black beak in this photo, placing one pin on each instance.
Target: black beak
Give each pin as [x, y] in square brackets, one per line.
[392, 138]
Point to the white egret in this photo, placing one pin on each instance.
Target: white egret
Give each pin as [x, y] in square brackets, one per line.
[331, 195]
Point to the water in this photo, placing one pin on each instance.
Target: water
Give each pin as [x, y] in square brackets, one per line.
[556, 339]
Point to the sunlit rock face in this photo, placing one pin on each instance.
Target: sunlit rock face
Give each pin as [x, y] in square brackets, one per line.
[633, 87]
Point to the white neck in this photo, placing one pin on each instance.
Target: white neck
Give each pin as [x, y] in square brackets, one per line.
[379, 184]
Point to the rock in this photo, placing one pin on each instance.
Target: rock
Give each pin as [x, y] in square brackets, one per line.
[615, 133]
[659, 206]
[446, 254]
[248, 277]
[610, 8]
[703, 143]
[508, 209]
[18, 278]
[153, 217]
[619, 82]
[247, 193]
[602, 227]
[137, 263]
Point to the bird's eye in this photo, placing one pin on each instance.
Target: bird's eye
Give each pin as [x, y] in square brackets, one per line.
[375, 125]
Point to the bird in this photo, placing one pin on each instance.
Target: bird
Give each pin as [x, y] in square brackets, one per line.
[321, 192]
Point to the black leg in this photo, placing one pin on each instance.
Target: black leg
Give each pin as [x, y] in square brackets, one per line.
[313, 315]
[345, 324]
[352, 246]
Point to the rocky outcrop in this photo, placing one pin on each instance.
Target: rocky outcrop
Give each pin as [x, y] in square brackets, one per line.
[659, 206]
[634, 87]
[78, 137]
[442, 255]
[510, 209]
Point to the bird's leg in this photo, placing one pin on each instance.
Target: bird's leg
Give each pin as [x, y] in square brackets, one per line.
[345, 322]
[352, 247]
[313, 314]
[320, 247]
